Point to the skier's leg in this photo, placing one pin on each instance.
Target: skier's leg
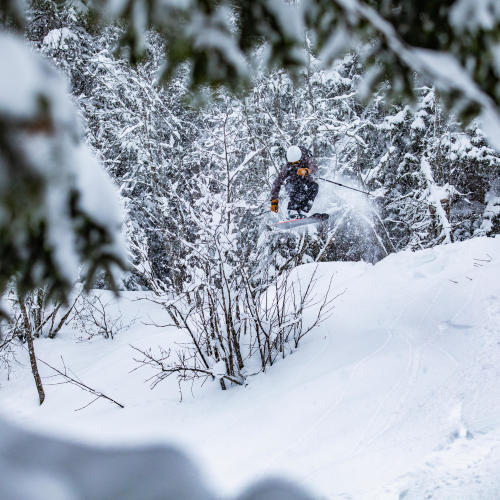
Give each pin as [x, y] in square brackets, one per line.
[308, 193]
[295, 198]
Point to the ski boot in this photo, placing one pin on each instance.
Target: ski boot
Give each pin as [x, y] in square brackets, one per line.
[296, 214]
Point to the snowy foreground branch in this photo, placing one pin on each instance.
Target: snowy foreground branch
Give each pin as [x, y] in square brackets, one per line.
[454, 43]
[60, 216]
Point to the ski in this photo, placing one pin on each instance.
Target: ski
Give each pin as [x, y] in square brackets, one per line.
[303, 221]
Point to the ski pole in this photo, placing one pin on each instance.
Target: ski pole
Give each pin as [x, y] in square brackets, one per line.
[349, 187]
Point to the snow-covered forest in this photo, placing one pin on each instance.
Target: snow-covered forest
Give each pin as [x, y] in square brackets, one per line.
[144, 282]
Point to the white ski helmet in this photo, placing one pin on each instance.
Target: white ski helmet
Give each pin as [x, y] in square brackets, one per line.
[293, 153]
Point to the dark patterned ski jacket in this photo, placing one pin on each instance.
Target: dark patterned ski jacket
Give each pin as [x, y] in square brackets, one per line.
[289, 175]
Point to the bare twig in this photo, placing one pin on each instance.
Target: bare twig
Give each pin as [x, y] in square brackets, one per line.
[84, 387]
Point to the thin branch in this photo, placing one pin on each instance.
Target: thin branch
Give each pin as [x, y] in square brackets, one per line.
[79, 383]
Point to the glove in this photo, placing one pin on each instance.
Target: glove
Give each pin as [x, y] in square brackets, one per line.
[274, 206]
[302, 172]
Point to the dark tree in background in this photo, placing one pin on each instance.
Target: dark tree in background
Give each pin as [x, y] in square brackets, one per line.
[436, 176]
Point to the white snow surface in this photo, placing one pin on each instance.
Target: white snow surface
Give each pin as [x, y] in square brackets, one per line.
[395, 396]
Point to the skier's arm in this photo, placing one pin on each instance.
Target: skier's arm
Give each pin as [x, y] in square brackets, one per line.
[308, 168]
[311, 165]
[275, 190]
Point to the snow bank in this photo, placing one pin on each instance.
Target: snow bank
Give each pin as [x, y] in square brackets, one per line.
[395, 396]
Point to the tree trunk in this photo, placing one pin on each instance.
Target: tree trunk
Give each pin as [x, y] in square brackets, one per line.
[31, 350]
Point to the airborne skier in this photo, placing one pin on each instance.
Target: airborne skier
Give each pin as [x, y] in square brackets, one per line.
[297, 175]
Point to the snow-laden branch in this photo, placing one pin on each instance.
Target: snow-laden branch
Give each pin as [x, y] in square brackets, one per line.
[437, 195]
[443, 68]
[248, 158]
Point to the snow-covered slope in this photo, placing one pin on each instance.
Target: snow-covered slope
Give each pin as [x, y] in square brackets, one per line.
[396, 396]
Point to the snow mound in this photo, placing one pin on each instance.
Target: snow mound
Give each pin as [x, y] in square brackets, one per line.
[395, 396]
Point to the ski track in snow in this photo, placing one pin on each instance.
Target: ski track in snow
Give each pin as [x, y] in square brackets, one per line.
[413, 369]
[397, 396]
[331, 409]
[463, 467]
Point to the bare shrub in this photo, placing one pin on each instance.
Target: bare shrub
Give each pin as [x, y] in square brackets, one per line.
[95, 316]
[7, 351]
[229, 326]
[35, 315]
[278, 313]
[38, 313]
[32, 315]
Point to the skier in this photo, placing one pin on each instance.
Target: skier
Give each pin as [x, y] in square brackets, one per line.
[299, 184]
